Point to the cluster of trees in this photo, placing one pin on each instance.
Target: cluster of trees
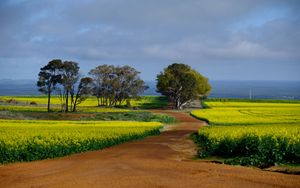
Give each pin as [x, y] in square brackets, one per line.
[182, 84]
[113, 85]
[110, 84]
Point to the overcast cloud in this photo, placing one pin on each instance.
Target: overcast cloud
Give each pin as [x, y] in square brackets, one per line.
[230, 39]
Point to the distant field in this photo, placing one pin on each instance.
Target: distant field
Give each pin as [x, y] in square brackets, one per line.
[144, 102]
[24, 140]
[249, 113]
[85, 109]
[251, 133]
[35, 108]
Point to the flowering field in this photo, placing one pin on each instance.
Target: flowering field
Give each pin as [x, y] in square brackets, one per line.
[25, 140]
[248, 113]
[143, 102]
[247, 133]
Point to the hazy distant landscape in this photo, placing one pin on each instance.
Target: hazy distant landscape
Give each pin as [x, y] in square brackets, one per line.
[221, 89]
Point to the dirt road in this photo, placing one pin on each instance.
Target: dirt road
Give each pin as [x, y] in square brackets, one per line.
[157, 161]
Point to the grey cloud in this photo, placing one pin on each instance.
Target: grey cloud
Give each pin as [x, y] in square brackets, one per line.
[147, 31]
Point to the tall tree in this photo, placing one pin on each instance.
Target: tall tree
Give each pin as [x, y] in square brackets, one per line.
[182, 84]
[126, 84]
[84, 89]
[70, 76]
[49, 76]
[102, 76]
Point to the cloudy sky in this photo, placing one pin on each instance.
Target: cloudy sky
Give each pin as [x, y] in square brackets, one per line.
[224, 40]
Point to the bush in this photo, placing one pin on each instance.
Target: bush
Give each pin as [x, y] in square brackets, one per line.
[33, 103]
[12, 101]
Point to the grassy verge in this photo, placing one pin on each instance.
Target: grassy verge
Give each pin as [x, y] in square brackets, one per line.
[140, 116]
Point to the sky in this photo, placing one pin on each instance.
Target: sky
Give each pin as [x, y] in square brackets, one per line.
[223, 40]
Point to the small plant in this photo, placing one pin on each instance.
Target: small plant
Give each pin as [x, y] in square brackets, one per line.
[33, 103]
[12, 101]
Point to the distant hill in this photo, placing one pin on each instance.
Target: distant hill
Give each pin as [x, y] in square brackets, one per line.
[221, 89]
[18, 87]
[256, 89]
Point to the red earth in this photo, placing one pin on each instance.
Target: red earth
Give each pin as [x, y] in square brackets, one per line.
[156, 161]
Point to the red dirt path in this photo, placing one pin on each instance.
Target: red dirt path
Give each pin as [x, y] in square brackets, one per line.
[157, 161]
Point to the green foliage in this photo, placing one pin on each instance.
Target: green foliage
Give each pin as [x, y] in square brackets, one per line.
[23, 140]
[181, 84]
[113, 85]
[49, 76]
[70, 76]
[132, 116]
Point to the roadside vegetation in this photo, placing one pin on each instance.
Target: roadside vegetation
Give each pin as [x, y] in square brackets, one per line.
[259, 134]
[25, 140]
[29, 132]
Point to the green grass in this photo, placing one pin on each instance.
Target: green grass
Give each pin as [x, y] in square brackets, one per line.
[136, 116]
[140, 116]
[28, 140]
[251, 133]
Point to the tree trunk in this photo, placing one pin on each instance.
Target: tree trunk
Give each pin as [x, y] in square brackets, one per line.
[74, 104]
[98, 99]
[49, 95]
[67, 102]
[177, 104]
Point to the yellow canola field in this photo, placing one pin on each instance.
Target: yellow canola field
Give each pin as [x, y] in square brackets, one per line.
[27, 140]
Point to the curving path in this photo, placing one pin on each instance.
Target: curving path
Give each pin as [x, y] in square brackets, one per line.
[157, 161]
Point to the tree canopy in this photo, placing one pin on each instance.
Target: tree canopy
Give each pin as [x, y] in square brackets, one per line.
[49, 77]
[64, 78]
[115, 84]
[182, 84]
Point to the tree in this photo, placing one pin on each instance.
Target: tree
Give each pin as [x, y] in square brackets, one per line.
[102, 76]
[126, 84]
[83, 91]
[114, 85]
[49, 76]
[70, 76]
[182, 84]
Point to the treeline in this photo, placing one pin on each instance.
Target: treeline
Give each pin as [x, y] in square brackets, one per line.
[112, 85]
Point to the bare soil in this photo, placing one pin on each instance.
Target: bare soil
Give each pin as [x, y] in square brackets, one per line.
[157, 161]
